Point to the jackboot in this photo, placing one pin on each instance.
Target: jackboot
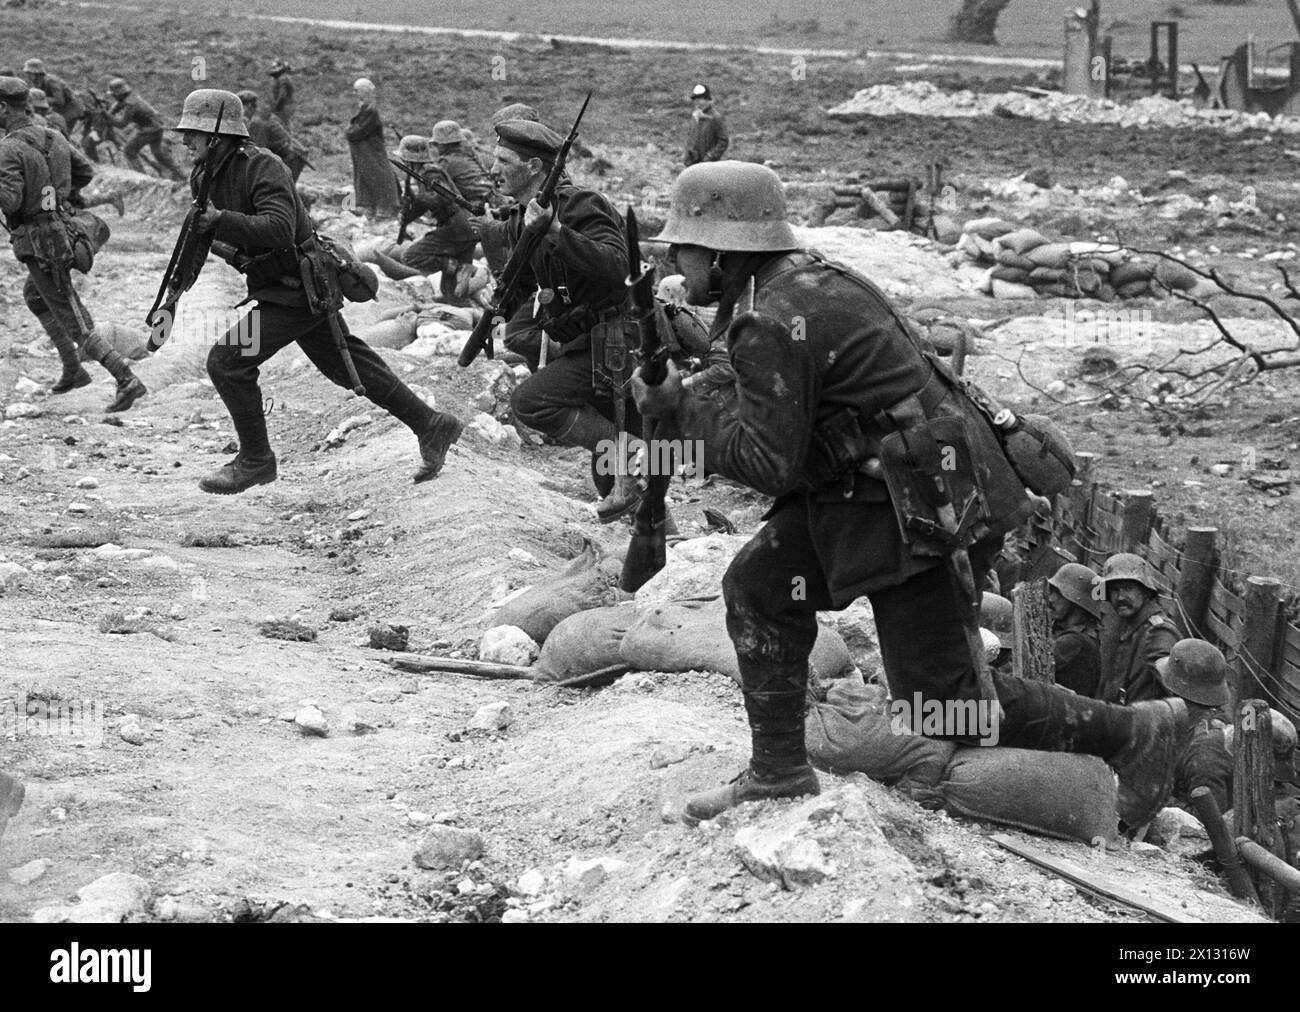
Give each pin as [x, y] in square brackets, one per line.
[129, 390]
[239, 475]
[623, 498]
[750, 785]
[435, 441]
[71, 379]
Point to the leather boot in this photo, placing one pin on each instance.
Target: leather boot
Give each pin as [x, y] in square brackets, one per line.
[623, 498]
[129, 390]
[240, 475]
[749, 785]
[434, 443]
[72, 379]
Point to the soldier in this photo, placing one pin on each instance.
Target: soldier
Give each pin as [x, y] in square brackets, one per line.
[1075, 616]
[578, 270]
[373, 184]
[828, 373]
[62, 98]
[256, 209]
[131, 109]
[266, 131]
[43, 114]
[1135, 633]
[282, 102]
[707, 139]
[457, 162]
[41, 176]
[1197, 672]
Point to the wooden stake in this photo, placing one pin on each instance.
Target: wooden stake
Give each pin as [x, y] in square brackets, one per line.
[1139, 509]
[1268, 864]
[1259, 637]
[1252, 790]
[1033, 655]
[1196, 579]
[483, 669]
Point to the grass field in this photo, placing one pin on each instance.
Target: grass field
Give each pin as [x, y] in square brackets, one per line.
[1026, 28]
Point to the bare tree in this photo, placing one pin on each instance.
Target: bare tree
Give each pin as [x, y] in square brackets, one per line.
[977, 21]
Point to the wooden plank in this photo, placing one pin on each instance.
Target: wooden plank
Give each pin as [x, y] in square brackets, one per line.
[482, 669]
[1096, 882]
[1229, 638]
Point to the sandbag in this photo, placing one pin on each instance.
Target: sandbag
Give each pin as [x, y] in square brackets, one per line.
[129, 342]
[1012, 290]
[1133, 270]
[1176, 276]
[1052, 254]
[988, 228]
[584, 642]
[1061, 794]
[1016, 275]
[1022, 240]
[394, 333]
[589, 581]
[1045, 275]
[1010, 258]
[852, 732]
[1133, 289]
[692, 636]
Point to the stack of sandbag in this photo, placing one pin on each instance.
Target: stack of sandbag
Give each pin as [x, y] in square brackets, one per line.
[589, 581]
[944, 330]
[858, 729]
[442, 330]
[1025, 264]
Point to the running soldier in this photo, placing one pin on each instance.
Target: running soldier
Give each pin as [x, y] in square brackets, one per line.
[129, 108]
[266, 131]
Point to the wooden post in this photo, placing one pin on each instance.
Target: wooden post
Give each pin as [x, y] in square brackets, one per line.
[1080, 501]
[1225, 849]
[1139, 509]
[1259, 637]
[1032, 656]
[1252, 790]
[1196, 579]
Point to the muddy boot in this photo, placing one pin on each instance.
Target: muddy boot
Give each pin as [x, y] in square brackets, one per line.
[434, 443]
[623, 498]
[240, 475]
[129, 390]
[72, 378]
[790, 782]
[1159, 736]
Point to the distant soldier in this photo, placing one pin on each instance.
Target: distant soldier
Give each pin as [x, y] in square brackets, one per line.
[41, 176]
[131, 109]
[282, 92]
[42, 113]
[267, 131]
[62, 98]
[459, 164]
[1076, 613]
[1134, 635]
[256, 210]
[707, 139]
[374, 186]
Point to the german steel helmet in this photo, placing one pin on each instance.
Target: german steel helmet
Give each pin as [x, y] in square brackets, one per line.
[996, 613]
[729, 206]
[1075, 582]
[118, 86]
[13, 90]
[413, 148]
[447, 131]
[1196, 671]
[33, 66]
[200, 112]
[1125, 566]
[37, 99]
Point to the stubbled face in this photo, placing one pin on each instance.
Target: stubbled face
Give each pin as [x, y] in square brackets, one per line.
[1127, 597]
[1058, 604]
[196, 143]
[513, 175]
[693, 263]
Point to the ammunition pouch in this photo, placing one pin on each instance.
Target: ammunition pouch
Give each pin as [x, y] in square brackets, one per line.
[330, 273]
[612, 341]
[50, 242]
[570, 325]
[87, 234]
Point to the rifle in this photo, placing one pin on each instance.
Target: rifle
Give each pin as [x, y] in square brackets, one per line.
[505, 301]
[405, 222]
[191, 250]
[438, 188]
[646, 553]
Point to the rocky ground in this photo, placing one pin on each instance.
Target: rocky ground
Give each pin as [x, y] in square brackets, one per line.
[214, 795]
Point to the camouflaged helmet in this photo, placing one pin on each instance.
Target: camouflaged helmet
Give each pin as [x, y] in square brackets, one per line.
[1040, 454]
[1196, 671]
[731, 207]
[13, 90]
[200, 112]
[118, 86]
[413, 148]
[1126, 566]
[996, 613]
[1075, 583]
[37, 99]
[447, 131]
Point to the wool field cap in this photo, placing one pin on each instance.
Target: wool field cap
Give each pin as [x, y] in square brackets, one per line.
[528, 139]
[514, 111]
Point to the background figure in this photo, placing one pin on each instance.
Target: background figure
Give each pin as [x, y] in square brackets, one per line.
[42, 113]
[62, 98]
[266, 131]
[130, 109]
[707, 139]
[282, 92]
[373, 182]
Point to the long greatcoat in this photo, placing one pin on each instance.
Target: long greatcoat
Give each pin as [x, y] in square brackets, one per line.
[373, 181]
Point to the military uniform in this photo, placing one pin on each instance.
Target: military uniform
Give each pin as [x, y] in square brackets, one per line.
[1129, 651]
[131, 109]
[263, 218]
[282, 100]
[1077, 661]
[706, 140]
[63, 100]
[266, 131]
[35, 161]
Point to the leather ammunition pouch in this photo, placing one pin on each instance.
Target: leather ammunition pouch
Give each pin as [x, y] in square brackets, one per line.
[612, 342]
[330, 273]
[87, 234]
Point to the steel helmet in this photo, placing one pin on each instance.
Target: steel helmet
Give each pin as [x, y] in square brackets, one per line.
[730, 207]
[992, 644]
[1126, 566]
[447, 131]
[37, 99]
[996, 613]
[247, 98]
[1076, 583]
[118, 86]
[1196, 671]
[33, 66]
[413, 148]
[200, 112]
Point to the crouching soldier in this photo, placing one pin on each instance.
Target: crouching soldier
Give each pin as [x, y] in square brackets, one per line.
[41, 176]
[130, 109]
[838, 413]
[255, 209]
[1076, 610]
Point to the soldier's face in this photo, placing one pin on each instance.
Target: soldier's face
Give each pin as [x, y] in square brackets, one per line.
[694, 264]
[196, 143]
[1059, 606]
[512, 174]
[1127, 597]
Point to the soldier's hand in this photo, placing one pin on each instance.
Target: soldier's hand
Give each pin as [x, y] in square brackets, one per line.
[207, 221]
[662, 401]
[538, 218]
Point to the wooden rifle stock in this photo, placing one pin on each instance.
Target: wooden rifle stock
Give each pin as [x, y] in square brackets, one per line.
[480, 339]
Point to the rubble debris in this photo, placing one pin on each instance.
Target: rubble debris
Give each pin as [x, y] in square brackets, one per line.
[311, 721]
[447, 847]
[108, 900]
[492, 717]
[508, 644]
[384, 637]
[286, 629]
